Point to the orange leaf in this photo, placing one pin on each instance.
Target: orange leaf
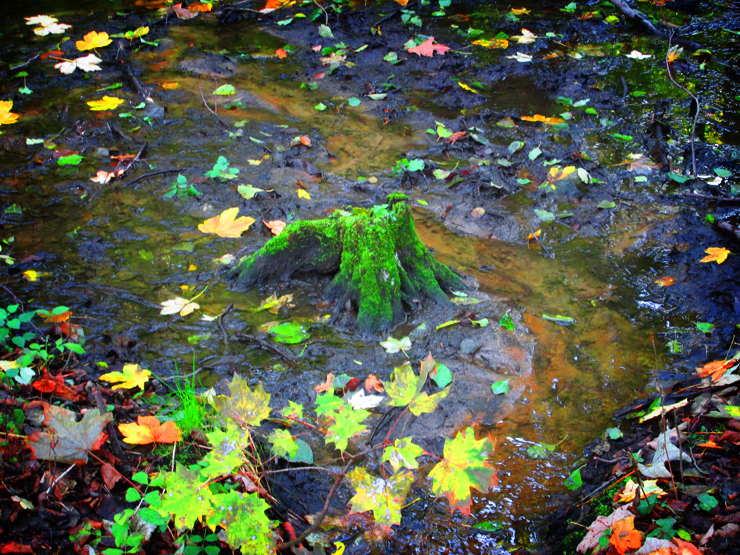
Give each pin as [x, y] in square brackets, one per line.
[6, 116]
[273, 5]
[227, 224]
[715, 369]
[519, 11]
[665, 281]
[281, 53]
[426, 48]
[402, 2]
[327, 385]
[372, 382]
[93, 40]
[543, 119]
[200, 7]
[534, 236]
[170, 86]
[456, 136]
[149, 430]
[275, 226]
[55, 318]
[681, 547]
[716, 254]
[624, 536]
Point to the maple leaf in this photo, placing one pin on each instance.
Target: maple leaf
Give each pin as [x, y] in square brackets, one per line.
[147, 429]
[283, 444]
[68, 441]
[599, 527]
[457, 135]
[327, 384]
[302, 193]
[43, 20]
[275, 226]
[227, 224]
[186, 497]
[178, 305]
[105, 103]
[464, 466]
[93, 40]
[519, 11]
[6, 116]
[55, 385]
[665, 451]
[293, 410]
[665, 281]
[426, 48]
[183, 13]
[227, 453]
[716, 369]
[716, 254]
[393, 345]
[403, 453]
[53, 29]
[406, 389]
[131, 376]
[673, 53]
[543, 119]
[526, 37]
[383, 497]
[372, 382]
[347, 424]
[86, 63]
[244, 520]
[244, 407]
[104, 177]
[273, 303]
[648, 488]
[624, 536]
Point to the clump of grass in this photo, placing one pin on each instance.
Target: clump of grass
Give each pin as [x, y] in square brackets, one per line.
[192, 412]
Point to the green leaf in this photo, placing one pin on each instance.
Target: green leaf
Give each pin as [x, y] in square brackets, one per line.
[705, 327]
[441, 375]
[325, 31]
[293, 410]
[289, 333]
[574, 481]
[506, 322]
[348, 423]
[406, 389]
[186, 497]
[625, 138]
[283, 443]
[140, 478]
[403, 454]
[613, 433]
[558, 319]
[243, 517]
[499, 388]
[679, 178]
[489, 526]
[248, 192]
[227, 451]
[544, 215]
[707, 502]
[132, 495]
[384, 498]
[354, 101]
[328, 403]
[244, 407]
[515, 146]
[392, 58]
[415, 165]
[71, 160]
[320, 107]
[304, 453]
[151, 516]
[606, 204]
[722, 172]
[534, 153]
[464, 466]
[225, 90]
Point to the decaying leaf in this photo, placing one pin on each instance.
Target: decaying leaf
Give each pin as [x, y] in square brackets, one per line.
[6, 116]
[244, 407]
[66, 440]
[383, 497]
[665, 281]
[600, 526]
[273, 303]
[665, 451]
[86, 63]
[227, 224]
[624, 536]
[526, 37]
[148, 429]
[543, 119]
[178, 305]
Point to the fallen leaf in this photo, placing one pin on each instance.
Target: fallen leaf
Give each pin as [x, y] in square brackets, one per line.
[104, 177]
[86, 63]
[599, 526]
[326, 385]
[227, 224]
[716, 369]
[6, 116]
[673, 53]
[130, 376]
[372, 382]
[170, 86]
[183, 13]
[273, 303]
[281, 53]
[716, 254]
[521, 57]
[147, 429]
[624, 536]
[637, 55]
[105, 103]
[43, 20]
[492, 43]
[53, 29]
[543, 119]
[302, 193]
[178, 305]
[66, 440]
[665, 451]
[31, 275]
[426, 48]
[275, 226]
[526, 37]
[55, 385]
[93, 40]
[534, 236]
[478, 212]
[665, 281]
[519, 11]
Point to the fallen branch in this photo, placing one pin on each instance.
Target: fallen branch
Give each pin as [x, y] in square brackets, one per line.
[152, 174]
[735, 200]
[267, 346]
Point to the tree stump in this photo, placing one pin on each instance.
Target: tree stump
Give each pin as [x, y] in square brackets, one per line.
[380, 260]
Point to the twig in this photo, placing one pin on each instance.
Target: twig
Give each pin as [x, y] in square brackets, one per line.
[220, 322]
[391, 15]
[23, 65]
[152, 174]
[62, 475]
[695, 99]
[326, 14]
[711, 197]
[544, 248]
[137, 85]
[112, 128]
[209, 108]
[265, 345]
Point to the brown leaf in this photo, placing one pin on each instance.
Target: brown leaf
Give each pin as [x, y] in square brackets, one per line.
[111, 476]
[327, 385]
[730, 437]
[66, 440]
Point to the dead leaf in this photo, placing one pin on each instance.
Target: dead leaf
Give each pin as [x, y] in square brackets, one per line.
[178, 305]
[93, 40]
[275, 226]
[147, 429]
[426, 48]
[66, 440]
[227, 224]
[327, 385]
[624, 536]
[716, 254]
[372, 382]
[600, 526]
[665, 281]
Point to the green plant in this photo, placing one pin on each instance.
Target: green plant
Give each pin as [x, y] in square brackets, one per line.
[181, 188]
[222, 490]
[222, 171]
[406, 165]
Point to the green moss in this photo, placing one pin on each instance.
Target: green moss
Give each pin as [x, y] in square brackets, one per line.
[381, 262]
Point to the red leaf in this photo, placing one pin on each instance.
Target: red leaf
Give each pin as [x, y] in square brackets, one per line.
[426, 48]
[14, 547]
[110, 475]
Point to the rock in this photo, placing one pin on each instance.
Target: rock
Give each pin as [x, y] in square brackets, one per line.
[469, 346]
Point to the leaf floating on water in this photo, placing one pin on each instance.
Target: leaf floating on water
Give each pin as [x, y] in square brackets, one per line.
[665, 281]
[562, 320]
[393, 345]
[130, 376]
[427, 48]
[716, 254]
[93, 40]
[227, 224]
[105, 103]
[178, 305]
[6, 116]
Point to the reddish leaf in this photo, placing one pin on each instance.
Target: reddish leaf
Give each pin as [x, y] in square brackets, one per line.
[624, 536]
[731, 437]
[110, 475]
[373, 382]
[281, 53]
[55, 384]
[148, 430]
[426, 48]
[14, 547]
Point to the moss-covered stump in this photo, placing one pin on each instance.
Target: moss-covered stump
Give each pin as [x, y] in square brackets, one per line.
[381, 262]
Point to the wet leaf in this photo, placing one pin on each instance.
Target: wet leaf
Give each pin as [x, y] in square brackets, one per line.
[347, 424]
[492, 43]
[464, 466]
[87, 63]
[558, 319]
[186, 494]
[273, 303]
[130, 376]
[600, 526]
[526, 37]
[679, 178]
[148, 429]
[665, 281]
[275, 226]
[506, 322]
[51, 29]
[705, 327]
[227, 224]
[501, 387]
[441, 375]
[104, 177]
[43, 20]
[353, 101]
[403, 454]
[6, 116]
[302, 193]
[624, 536]
[178, 305]
[637, 55]
[248, 192]
[281, 53]
[225, 90]
[66, 440]
[543, 119]
[283, 443]
[383, 497]
[427, 48]
[673, 53]
[662, 410]
[105, 103]
[93, 40]
[521, 57]
[244, 407]
[574, 481]
[716, 254]
[467, 87]
[393, 345]
[71, 160]
[406, 390]
[606, 204]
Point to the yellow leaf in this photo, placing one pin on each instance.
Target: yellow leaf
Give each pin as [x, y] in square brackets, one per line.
[543, 119]
[303, 194]
[716, 254]
[178, 305]
[131, 375]
[339, 545]
[673, 53]
[170, 86]
[93, 40]
[227, 224]
[467, 87]
[192, 268]
[665, 281]
[6, 116]
[105, 103]
[403, 3]
[492, 43]
[31, 275]
[526, 37]
[519, 11]
[534, 236]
